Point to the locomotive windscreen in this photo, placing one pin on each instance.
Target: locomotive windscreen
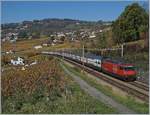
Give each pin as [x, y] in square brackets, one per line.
[129, 68]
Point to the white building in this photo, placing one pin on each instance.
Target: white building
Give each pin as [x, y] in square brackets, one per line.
[45, 44]
[100, 30]
[38, 47]
[19, 61]
[92, 36]
[9, 52]
[60, 35]
[55, 40]
[53, 44]
[77, 23]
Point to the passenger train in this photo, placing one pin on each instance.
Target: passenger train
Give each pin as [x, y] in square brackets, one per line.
[118, 69]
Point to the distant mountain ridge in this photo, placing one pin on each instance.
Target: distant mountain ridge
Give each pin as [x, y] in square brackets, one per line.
[51, 20]
[43, 20]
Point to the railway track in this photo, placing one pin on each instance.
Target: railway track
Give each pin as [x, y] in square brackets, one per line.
[140, 85]
[136, 89]
[132, 88]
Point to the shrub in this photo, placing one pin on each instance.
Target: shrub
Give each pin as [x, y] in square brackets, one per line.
[5, 59]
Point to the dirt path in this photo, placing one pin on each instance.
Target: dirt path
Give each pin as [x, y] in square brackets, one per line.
[98, 95]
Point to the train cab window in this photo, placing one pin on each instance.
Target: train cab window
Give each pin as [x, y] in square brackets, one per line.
[129, 68]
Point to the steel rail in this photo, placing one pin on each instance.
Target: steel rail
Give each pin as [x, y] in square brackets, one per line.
[137, 84]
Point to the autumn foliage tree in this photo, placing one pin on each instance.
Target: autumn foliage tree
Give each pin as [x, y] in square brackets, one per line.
[130, 24]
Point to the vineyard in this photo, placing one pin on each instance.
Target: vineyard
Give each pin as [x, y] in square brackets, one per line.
[44, 88]
[30, 85]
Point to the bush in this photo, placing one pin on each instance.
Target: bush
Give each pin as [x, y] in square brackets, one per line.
[5, 59]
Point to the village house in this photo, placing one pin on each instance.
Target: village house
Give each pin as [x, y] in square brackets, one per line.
[9, 52]
[59, 35]
[53, 44]
[92, 36]
[38, 47]
[19, 61]
[9, 35]
[100, 30]
[45, 44]
[55, 40]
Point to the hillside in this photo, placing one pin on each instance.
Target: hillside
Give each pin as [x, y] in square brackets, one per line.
[47, 27]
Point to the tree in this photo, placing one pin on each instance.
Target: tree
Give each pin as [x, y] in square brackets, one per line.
[130, 23]
[62, 38]
[12, 37]
[101, 41]
[22, 34]
[36, 35]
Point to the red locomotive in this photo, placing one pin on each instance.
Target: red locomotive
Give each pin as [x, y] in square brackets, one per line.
[119, 69]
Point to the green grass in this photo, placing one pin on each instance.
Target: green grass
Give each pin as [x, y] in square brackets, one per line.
[127, 101]
[78, 102]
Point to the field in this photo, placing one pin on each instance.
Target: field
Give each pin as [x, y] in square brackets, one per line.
[22, 45]
[29, 45]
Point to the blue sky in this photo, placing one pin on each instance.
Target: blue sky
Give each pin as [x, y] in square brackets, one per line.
[90, 11]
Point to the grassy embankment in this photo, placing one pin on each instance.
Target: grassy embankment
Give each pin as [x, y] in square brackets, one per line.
[45, 88]
[127, 101]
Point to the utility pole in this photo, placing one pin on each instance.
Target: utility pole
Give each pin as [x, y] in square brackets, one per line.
[83, 56]
[63, 54]
[14, 47]
[122, 50]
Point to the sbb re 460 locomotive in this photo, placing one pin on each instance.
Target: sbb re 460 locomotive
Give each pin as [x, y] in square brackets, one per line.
[119, 69]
